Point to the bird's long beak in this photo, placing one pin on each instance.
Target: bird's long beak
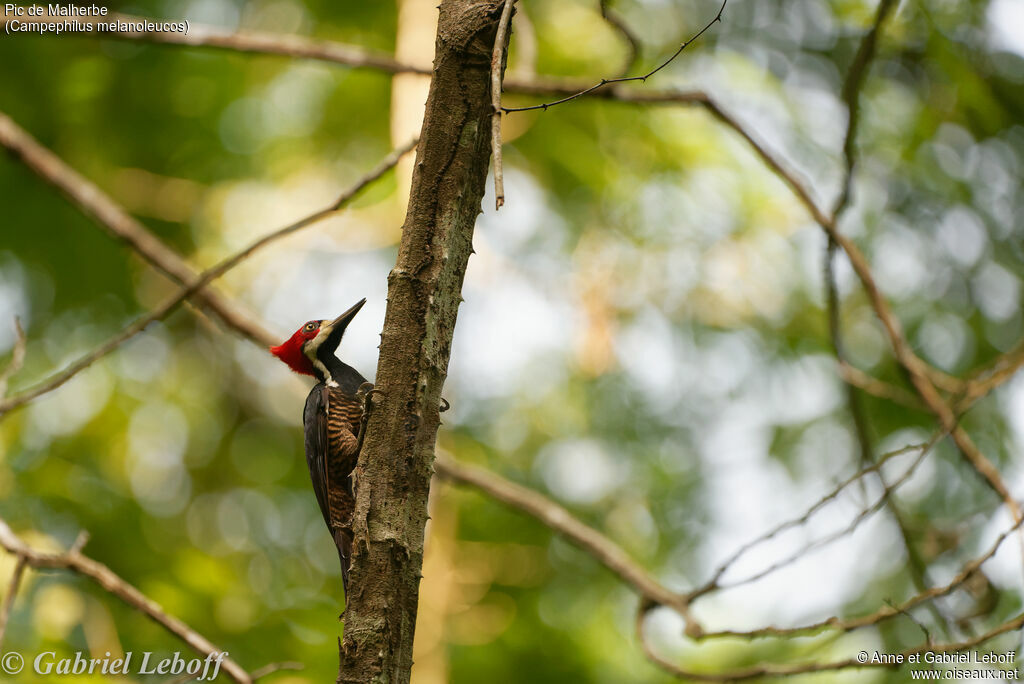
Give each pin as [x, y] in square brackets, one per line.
[336, 328]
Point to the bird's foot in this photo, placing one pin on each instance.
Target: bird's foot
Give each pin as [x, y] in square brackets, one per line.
[444, 405]
[365, 392]
[365, 395]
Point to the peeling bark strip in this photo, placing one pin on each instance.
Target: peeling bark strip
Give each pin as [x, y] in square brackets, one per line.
[424, 291]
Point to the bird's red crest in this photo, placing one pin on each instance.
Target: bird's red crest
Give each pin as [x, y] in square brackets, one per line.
[290, 351]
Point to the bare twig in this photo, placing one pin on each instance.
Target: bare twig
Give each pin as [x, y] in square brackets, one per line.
[878, 388]
[270, 669]
[920, 625]
[357, 57]
[625, 79]
[497, 61]
[885, 612]
[984, 381]
[103, 576]
[198, 284]
[258, 42]
[109, 215]
[12, 593]
[302, 47]
[923, 381]
[80, 541]
[17, 357]
[255, 675]
[834, 314]
[851, 96]
[882, 500]
[921, 374]
[967, 392]
[616, 22]
[58, 379]
[603, 549]
[872, 467]
[807, 668]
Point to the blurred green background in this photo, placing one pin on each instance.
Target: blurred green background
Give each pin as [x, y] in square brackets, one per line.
[644, 336]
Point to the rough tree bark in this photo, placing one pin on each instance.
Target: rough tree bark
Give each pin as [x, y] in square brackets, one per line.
[424, 290]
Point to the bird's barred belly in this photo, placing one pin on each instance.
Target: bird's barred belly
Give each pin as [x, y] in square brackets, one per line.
[343, 419]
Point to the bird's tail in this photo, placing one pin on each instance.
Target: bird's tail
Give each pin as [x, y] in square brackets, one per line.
[343, 540]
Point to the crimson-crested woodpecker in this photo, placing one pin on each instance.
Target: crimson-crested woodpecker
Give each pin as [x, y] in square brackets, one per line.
[333, 422]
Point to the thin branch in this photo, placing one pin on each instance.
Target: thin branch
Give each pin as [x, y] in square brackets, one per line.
[852, 375]
[778, 168]
[301, 47]
[258, 42]
[333, 52]
[874, 467]
[624, 79]
[17, 357]
[80, 541]
[1011, 625]
[835, 329]
[99, 573]
[616, 22]
[354, 56]
[984, 381]
[12, 593]
[606, 552]
[851, 96]
[920, 625]
[270, 669]
[921, 374]
[198, 284]
[918, 566]
[882, 500]
[60, 378]
[600, 547]
[255, 675]
[497, 62]
[112, 217]
[885, 612]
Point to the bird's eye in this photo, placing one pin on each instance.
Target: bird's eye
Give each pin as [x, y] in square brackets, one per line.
[311, 326]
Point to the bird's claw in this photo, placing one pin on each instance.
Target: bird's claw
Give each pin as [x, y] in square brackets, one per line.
[365, 393]
[444, 405]
[366, 390]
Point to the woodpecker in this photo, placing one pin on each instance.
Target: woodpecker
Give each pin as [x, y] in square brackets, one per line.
[333, 421]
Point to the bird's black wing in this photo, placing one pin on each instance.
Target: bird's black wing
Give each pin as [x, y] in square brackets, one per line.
[314, 420]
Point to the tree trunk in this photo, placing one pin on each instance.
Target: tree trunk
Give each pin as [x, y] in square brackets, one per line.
[392, 478]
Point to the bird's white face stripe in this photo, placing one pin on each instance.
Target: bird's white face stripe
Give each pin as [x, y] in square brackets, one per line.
[313, 344]
[310, 346]
[309, 349]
